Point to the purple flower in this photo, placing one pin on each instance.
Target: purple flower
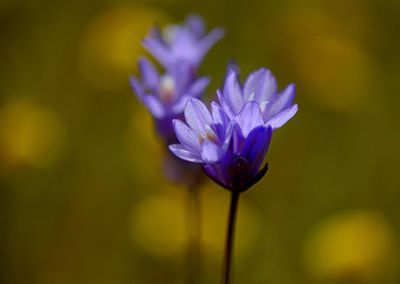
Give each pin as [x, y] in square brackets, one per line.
[186, 43]
[232, 141]
[260, 86]
[165, 96]
[231, 151]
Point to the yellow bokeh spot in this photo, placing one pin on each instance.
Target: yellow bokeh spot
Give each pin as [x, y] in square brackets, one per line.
[355, 246]
[111, 44]
[30, 134]
[158, 224]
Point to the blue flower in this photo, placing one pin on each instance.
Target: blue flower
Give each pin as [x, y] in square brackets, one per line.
[165, 96]
[186, 43]
[232, 141]
[260, 86]
[230, 151]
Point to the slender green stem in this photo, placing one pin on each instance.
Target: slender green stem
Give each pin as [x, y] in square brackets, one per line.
[193, 217]
[226, 272]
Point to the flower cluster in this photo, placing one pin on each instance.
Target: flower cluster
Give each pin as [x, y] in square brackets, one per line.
[232, 141]
[180, 50]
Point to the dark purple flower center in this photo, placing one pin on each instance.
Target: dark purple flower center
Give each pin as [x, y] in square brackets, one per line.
[240, 172]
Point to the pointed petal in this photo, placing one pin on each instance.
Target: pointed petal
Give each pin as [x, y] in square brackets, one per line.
[209, 40]
[256, 146]
[237, 140]
[211, 152]
[216, 173]
[253, 82]
[149, 73]
[283, 101]
[218, 114]
[198, 87]
[282, 117]
[137, 87]
[196, 25]
[224, 105]
[186, 136]
[267, 87]
[181, 73]
[154, 106]
[158, 49]
[228, 134]
[197, 115]
[179, 106]
[181, 152]
[250, 117]
[233, 93]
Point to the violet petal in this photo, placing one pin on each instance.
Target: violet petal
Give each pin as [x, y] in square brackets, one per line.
[197, 115]
[184, 153]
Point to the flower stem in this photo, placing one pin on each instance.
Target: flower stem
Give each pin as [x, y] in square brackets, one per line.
[193, 217]
[226, 272]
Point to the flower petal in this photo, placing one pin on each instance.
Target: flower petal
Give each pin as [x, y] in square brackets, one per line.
[217, 174]
[233, 93]
[256, 147]
[137, 87]
[208, 41]
[250, 117]
[224, 105]
[218, 115]
[283, 101]
[211, 152]
[186, 136]
[198, 87]
[282, 117]
[181, 73]
[196, 25]
[179, 106]
[158, 49]
[181, 152]
[253, 82]
[154, 106]
[149, 73]
[228, 134]
[267, 87]
[237, 140]
[197, 115]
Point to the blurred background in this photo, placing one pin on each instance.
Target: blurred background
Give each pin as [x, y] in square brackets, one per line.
[82, 195]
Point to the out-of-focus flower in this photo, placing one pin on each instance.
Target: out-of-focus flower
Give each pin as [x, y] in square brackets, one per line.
[231, 151]
[186, 43]
[260, 86]
[165, 95]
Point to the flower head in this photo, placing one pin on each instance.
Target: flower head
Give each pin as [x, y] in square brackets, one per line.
[165, 96]
[186, 43]
[230, 151]
[260, 87]
[232, 141]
